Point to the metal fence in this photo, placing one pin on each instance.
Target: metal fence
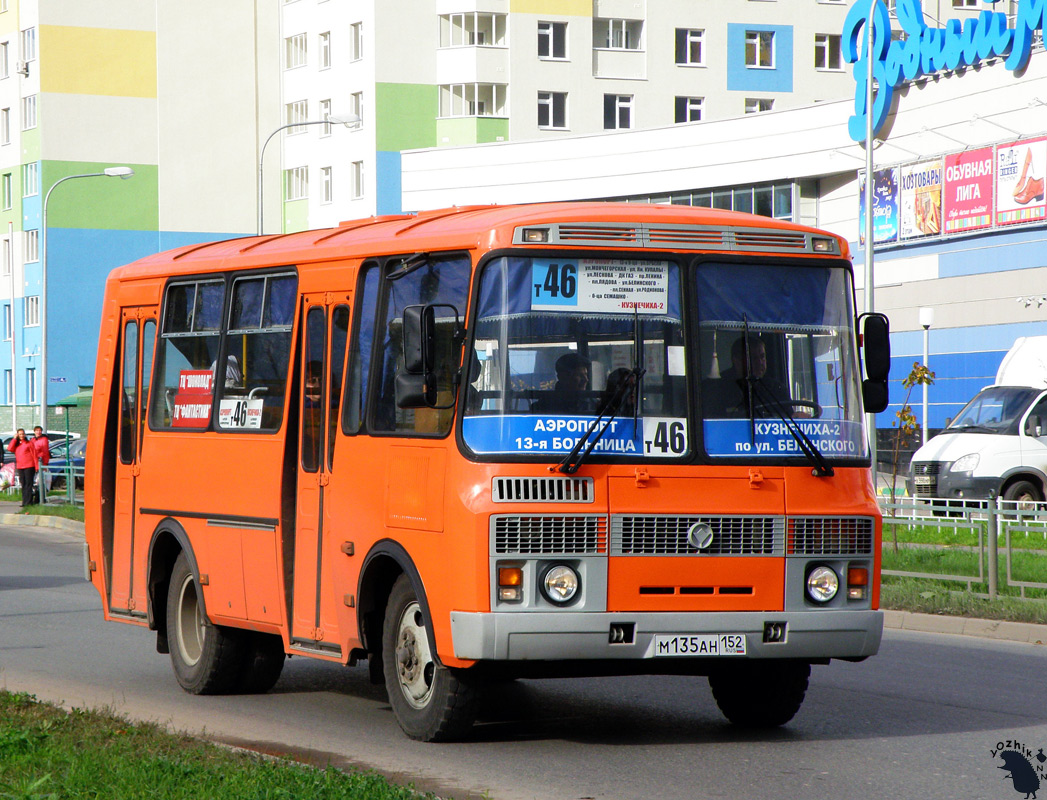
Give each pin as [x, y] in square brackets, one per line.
[66, 484]
[995, 523]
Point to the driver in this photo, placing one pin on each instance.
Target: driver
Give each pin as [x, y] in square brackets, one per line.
[736, 385]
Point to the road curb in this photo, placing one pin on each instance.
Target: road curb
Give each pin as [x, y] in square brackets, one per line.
[43, 521]
[966, 626]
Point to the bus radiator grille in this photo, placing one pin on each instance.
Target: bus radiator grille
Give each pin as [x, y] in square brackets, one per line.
[542, 490]
[549, 534]
[653, 535]
[819, 536]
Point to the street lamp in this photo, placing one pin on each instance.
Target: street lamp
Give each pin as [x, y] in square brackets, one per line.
[348, 120]
[926, 321]
[109, 172]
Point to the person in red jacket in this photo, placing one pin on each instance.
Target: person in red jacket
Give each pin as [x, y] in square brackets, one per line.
[43, 458]
[25, 464]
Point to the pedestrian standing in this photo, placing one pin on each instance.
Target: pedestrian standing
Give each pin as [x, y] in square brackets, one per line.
[42, 447]
[25, 464]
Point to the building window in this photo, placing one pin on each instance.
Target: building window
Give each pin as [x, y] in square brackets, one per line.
[964, 3]
[5, 69]
[295, 48]
[28, 44]
[6, 261]
[6, 191]
[472, 29]
[327, 194]
[325, 50]
[9, 381]
[5, 126]
[356, 105]
[30, 179]
[472, 100]
[30, 385]
[9, 321]
[356, 41]
[617, 112]
[31, 308]
[617, 34]
[759, 49]
[296, 183]
[552, 40]
[29, 112]
[757, 105]
[689, 109]
[32, 246]
[827, 52]
[358, 179]
[296, 112]
[552, 110]
[690, 47]
[325, 112]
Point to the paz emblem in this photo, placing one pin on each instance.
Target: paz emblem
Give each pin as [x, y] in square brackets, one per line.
[700, 535]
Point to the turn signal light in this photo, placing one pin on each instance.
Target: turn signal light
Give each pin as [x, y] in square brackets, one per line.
[857, 582]
[510, 583]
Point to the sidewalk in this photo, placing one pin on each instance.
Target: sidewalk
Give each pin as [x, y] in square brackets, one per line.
[11, 514]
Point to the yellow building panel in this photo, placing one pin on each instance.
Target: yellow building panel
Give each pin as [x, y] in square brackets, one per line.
[99, 61]
[559, 8]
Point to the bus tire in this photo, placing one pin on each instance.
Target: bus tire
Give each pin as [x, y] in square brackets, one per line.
[263, 663]
[761, 694]
[431, 702]
[207, 659]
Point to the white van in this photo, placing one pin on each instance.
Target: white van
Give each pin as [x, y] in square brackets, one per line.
[997, 445]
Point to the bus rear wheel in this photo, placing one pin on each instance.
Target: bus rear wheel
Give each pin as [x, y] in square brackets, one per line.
[431, 702]
[207, 659]
[263, 662]
[761, 694]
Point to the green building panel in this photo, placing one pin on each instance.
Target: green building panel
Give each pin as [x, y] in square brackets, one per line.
[296, 215]
[101, 203]
[454, 131]
[405, 115]
[29, 141]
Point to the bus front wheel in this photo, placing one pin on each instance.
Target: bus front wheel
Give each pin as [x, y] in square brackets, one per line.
[432, 703]
[761, 695]
[207, 659]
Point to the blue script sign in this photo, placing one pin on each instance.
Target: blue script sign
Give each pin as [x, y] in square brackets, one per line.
[928, 50]
[732, 437]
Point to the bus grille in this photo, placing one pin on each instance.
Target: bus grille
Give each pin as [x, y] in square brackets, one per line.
[676, 237]
[542, 490]
[817, 536]
[667, 535]
[549, 535]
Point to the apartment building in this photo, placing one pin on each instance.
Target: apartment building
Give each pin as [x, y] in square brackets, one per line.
[89, 86]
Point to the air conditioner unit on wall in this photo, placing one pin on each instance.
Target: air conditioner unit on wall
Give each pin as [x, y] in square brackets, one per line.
[23, 68]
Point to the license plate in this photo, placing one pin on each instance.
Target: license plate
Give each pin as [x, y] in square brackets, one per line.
[923, 480]
[718, 644]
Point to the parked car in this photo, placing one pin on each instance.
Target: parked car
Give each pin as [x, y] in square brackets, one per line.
[76, 450]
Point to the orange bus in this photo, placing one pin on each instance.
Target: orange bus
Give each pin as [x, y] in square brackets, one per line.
[493, 442]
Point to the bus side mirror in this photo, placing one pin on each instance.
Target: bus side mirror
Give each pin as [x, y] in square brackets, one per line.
[416, 383]
[876, 346]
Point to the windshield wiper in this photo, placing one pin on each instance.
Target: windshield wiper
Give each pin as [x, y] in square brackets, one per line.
[574, 459]
[822, 468]
[972, 427]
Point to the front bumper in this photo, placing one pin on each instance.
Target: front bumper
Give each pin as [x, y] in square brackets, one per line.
[814, 634]
[957, 486]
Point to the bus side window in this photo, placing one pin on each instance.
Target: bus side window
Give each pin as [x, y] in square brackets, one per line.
[440, 281]
[361, 348]
[257, 353]
[187, 350]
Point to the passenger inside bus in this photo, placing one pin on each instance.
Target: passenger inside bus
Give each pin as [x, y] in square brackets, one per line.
[572, 380]
[626, 406]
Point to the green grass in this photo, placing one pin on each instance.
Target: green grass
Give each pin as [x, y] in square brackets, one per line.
[937, 597]
[57, 510]
[46, 753]
[930, 533]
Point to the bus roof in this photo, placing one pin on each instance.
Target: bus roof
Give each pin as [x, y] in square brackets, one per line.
[466, 227]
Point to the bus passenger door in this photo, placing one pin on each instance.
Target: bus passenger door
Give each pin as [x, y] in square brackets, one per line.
[314, 616]
[126, 559]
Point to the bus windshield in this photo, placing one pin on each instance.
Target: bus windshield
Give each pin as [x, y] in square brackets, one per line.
[560, 343]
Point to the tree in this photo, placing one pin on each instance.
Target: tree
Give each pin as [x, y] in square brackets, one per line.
[906, 423]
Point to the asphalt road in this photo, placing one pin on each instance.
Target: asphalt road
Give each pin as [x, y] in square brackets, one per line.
[920, 720]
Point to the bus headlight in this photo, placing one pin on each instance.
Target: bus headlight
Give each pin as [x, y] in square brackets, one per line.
[822, 584]
[560, 584]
